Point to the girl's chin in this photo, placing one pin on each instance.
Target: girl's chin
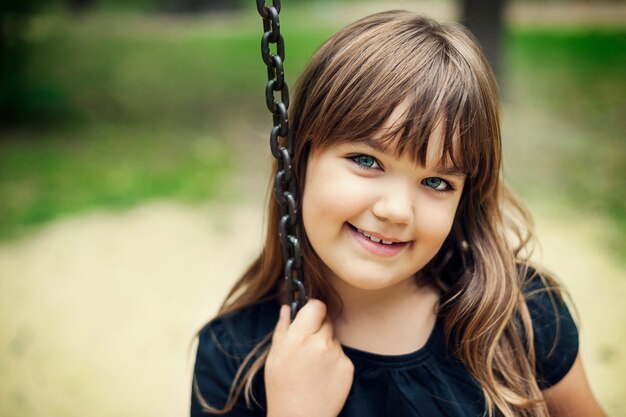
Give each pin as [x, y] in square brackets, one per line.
[365, 282]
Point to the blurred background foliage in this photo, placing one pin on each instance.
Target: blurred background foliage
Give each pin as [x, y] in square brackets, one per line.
[112, 103]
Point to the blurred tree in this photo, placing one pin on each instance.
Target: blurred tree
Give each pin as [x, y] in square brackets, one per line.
[79, 6]
[194, 6]
[485, 20]
[14, 15]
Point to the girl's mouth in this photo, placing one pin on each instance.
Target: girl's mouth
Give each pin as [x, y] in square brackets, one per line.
[376, 245]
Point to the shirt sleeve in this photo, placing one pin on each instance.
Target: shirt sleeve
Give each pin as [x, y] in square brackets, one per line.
[555, 333]
[214, 372]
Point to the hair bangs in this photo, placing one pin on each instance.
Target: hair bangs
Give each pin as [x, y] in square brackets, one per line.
[361, 85]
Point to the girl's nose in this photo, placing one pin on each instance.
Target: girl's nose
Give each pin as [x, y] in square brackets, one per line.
[394, 206]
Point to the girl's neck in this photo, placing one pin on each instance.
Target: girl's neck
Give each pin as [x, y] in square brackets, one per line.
[392, 321]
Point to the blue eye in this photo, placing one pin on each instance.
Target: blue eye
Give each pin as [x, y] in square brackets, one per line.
[437, 184]
[366, 161]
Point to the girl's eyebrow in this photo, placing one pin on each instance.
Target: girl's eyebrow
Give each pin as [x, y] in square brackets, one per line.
[451, 172]
[374, 144]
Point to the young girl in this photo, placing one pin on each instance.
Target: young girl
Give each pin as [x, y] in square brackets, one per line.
[423, 302]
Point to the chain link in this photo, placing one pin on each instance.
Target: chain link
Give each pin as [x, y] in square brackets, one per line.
[284, 182]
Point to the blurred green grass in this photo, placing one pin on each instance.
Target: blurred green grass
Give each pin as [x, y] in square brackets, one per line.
[125, 107]
[45, 175]
[569, 85]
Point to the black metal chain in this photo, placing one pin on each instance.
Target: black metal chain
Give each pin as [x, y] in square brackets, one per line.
[285, 182]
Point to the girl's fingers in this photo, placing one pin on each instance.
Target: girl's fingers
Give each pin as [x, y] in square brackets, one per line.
[310, 317]
[326, 329]
[282, 325]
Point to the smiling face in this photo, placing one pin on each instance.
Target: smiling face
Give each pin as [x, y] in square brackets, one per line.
[375, 219]
[364, 111]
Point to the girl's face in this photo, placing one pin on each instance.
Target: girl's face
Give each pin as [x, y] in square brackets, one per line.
[373, 219]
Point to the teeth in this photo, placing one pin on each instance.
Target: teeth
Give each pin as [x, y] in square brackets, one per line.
[374, 238]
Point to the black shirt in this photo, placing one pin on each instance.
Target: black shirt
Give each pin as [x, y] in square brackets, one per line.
[428, 382]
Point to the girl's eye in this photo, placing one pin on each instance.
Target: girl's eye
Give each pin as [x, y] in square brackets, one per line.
[437, 184]
[366, 161]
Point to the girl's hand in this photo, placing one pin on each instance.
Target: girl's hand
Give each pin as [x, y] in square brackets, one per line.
[306, 372]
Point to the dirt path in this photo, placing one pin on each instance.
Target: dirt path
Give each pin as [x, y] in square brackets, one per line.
[97, 311]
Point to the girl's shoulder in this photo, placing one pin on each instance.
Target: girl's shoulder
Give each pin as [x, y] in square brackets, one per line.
[555, 333]
[238, 332]
[223, 346]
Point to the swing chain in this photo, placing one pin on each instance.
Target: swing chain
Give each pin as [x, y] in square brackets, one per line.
[284, 182]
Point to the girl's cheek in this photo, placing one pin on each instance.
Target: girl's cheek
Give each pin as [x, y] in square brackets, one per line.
[343, 190]
[435, 218]
[354, 188]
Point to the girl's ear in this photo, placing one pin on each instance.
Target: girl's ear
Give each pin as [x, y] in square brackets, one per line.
[458, 227]
[459, 235]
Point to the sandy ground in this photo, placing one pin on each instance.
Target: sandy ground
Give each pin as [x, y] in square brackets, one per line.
[97, 312]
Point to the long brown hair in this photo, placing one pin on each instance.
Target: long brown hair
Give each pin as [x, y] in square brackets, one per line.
[349, 89]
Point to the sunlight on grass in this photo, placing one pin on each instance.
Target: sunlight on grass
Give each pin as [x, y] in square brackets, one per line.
[47, 175]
